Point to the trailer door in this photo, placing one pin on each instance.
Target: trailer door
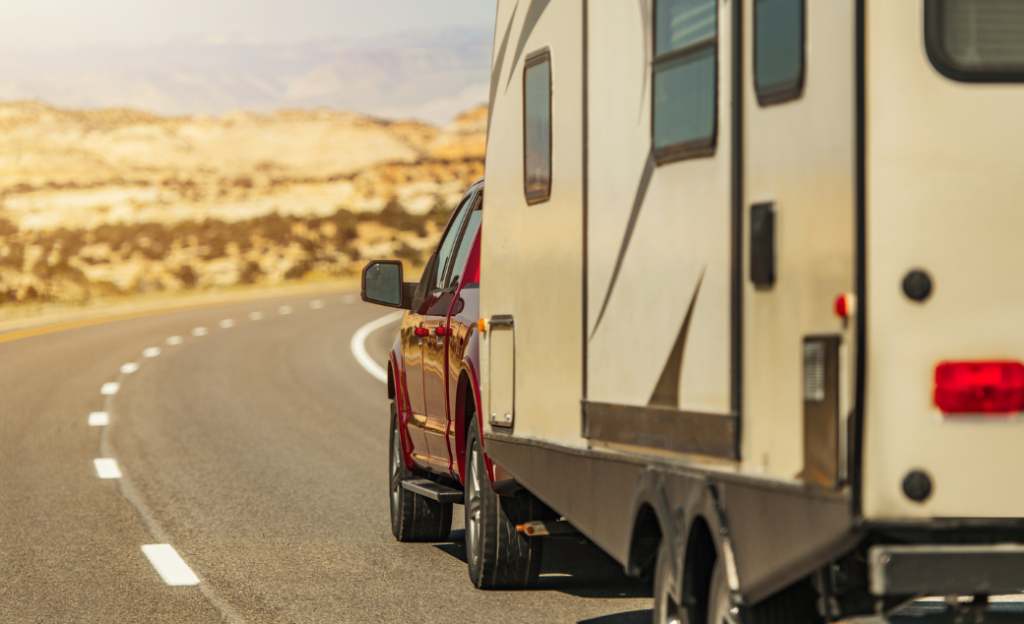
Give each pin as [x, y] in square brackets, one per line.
[799, 150]
[945, 218]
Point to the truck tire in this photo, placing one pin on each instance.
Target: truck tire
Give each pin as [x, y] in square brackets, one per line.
[414, 518]
[499, 557]
[796, 604]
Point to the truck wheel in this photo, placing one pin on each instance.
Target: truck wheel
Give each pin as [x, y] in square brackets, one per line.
[414, 518]
[499, 557]
[796, 604]
[666, 611]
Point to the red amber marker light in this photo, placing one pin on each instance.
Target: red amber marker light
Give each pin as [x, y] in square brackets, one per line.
[979, 387]
[843, 305]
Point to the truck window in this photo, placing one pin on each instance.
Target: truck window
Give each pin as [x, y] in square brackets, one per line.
[451, 236]
[976, 40]
[685, 79]
[465, 244]
[537, 127]
[778, 50]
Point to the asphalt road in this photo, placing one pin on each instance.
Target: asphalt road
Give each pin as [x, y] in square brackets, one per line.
[258, 453]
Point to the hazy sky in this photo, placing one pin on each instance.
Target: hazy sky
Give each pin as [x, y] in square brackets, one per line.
[70, 23]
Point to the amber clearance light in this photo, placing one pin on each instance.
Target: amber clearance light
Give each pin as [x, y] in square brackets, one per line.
[979, 387]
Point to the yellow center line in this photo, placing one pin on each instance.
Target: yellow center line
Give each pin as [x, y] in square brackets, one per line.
[98, 320]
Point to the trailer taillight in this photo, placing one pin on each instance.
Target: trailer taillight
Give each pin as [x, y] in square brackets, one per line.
[979, 387]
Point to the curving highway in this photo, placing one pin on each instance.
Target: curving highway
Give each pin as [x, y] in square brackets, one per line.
[229, 464]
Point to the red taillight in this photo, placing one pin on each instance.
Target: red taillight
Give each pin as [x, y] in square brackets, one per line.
[979, 387]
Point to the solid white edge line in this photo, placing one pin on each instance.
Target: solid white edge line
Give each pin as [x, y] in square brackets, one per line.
[106, 468]
[99, 419]
[359, 345]
[169, 565]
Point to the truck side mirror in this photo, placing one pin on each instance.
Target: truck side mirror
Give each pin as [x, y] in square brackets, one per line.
[382, 284]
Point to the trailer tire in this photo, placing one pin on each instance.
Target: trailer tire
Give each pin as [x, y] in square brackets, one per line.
[666, 610]
[414, 518]
[796, 604]
[499, 557]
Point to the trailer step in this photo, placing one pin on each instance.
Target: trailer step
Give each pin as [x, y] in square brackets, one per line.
[435, 491]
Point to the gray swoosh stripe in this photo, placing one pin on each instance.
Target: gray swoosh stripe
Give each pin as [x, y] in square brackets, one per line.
[638, 202]
[496, 70]
[533, 14]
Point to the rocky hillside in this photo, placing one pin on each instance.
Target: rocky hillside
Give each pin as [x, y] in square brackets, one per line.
[118, 201]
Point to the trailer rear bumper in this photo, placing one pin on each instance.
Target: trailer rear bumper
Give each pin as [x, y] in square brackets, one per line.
[944, 570]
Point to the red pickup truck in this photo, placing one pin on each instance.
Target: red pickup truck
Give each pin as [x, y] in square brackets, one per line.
[437, 456]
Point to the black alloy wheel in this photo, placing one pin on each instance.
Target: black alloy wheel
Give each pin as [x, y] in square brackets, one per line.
[499, 557]
[414, 518]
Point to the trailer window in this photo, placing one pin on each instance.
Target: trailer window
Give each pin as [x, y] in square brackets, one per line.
[537, 127]
[976, 40]
[778, 50]
[685, 79]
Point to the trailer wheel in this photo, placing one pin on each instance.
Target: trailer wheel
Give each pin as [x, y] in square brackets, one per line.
[796, 604]
[719, 604]
[666, 611]
[414, 518]
[499, 557]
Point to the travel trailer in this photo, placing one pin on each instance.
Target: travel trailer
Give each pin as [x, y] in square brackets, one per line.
[752, 309]
[751, 318]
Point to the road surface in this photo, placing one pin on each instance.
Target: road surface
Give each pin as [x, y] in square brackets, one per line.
[246, 449]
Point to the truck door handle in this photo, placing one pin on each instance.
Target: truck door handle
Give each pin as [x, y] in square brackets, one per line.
[422, 331]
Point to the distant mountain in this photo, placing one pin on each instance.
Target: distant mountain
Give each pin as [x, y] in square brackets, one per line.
[430, 76]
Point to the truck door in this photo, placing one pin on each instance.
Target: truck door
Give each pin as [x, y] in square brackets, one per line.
[435, 321]
[798, 224]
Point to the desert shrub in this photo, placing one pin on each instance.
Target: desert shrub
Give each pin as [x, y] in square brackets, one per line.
[250, 272]
[408, 253]
[273, 227]
[7, 228]
[298, 270]
[394, 215]
[15, 256]
[440, 213]
[187, 275]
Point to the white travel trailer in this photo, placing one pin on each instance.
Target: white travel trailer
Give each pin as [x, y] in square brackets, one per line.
[752, 294]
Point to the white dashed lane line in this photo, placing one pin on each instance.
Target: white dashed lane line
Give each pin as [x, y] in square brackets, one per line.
[348, 299]
[109, 388]
[169, 565]
[129, 368]
[151, 352]
[227, 324]
[174, 340]
[285, 309]
[255, 316]
[99, 419]
[316, 304]
[107, 468]
[199, 331]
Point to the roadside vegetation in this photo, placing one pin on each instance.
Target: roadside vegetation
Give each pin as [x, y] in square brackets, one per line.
[77, 265]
